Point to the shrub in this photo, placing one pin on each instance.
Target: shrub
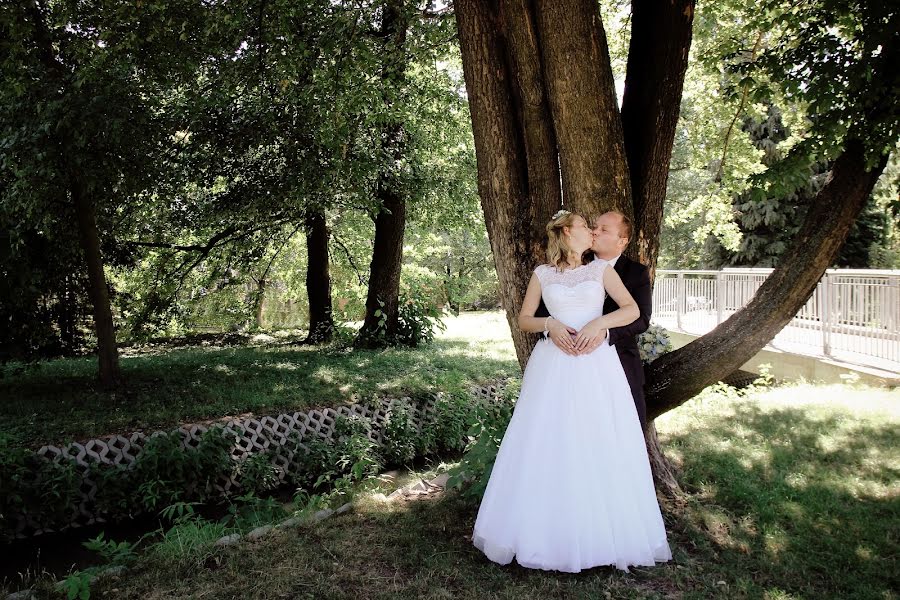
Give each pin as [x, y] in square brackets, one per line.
[472, 473]
[35, 487]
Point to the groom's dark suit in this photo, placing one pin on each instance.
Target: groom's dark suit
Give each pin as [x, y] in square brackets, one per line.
[636, 278]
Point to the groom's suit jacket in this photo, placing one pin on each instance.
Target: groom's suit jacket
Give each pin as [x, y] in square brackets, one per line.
[636, 278]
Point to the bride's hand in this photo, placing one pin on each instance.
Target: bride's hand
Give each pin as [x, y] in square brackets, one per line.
[561, 334]
[589, 334]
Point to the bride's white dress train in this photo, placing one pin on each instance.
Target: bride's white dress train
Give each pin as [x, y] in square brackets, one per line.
[571, 487]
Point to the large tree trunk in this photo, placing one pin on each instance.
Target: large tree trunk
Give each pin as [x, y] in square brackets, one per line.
[584, 107]
[657, 63]
[676, 377]
[107, 352]
[318, 280]
[382, 300]
[518, 176]
[591, 144]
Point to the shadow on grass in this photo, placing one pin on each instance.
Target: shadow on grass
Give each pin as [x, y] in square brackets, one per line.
[60, 400]
[793, 502]
[783, 504]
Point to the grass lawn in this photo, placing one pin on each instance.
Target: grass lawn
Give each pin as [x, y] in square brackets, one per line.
[791, 493]
[58, 401]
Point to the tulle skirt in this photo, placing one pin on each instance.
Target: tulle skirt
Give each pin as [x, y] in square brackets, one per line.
[571, 487]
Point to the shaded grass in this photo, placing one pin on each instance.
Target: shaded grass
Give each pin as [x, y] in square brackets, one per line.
[792, 493]
[59, 400]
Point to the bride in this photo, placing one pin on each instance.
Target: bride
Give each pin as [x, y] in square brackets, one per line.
[571, 487]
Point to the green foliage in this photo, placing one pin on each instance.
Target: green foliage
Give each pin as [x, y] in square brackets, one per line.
[773, 90]
[472, 473]
[770, 216]
[35, 487]
[248, 511]
[164, 473]
[187, 542]
[257, 472]
[117, 553]
[113, 554]
[78, 585]
[398, 435]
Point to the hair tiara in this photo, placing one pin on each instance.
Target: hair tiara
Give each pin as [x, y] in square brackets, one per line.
[559, 213]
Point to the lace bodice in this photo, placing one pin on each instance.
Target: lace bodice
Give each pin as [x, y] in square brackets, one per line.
[574, 296]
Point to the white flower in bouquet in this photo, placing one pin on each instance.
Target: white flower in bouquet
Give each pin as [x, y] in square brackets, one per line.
[653, 343]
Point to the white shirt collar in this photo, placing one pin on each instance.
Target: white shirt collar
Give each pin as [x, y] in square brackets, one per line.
[612, 262]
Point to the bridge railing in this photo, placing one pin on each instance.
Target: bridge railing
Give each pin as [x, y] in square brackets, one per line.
[851, 311]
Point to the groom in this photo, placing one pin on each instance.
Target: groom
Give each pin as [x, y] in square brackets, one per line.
[611, 232]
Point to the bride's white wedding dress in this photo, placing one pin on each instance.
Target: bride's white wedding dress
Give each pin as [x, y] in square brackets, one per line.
[571, 487]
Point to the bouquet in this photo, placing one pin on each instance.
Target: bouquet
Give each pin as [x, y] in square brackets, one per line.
[653, 343]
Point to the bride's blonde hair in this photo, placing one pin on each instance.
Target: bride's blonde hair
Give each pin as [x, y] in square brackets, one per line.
[557, 247]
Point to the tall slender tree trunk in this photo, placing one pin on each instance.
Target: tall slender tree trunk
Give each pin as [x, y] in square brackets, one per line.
[66, 314]
[382, 300]
[658, 53]
[318, 279]
[657, 62]
[107, 352]
[260, 302]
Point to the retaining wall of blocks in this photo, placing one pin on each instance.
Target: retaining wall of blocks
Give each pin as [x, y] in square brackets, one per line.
[252, 435]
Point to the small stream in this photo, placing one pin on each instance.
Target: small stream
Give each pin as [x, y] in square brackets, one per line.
[60, 553]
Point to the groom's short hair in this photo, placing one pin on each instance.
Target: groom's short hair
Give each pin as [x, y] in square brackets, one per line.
[627, 224]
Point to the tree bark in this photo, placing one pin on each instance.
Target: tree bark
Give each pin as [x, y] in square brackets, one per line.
[107, 352]
[318, 280]
[382, 300]
[533, 121]
[514, 229]
[678, 376]
[585, 110]
[657, 62]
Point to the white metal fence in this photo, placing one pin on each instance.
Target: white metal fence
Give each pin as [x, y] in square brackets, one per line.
[852, 315]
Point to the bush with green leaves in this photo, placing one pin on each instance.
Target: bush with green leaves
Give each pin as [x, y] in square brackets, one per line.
[164, 473]
[398, 435]
[472, 473]
[34, 487]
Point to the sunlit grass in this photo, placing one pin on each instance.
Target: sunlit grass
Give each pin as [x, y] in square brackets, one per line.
[59, 400]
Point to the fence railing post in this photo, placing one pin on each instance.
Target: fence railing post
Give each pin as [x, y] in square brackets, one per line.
[720, 297]
[827, 300]
[679, 293]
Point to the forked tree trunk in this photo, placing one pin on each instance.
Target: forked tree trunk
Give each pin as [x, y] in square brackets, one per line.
[318, 279]
[575, 75]
[107, 352]
[382, 300]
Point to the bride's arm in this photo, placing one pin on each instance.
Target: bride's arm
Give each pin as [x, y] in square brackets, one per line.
[527, 321]
[627, 312]
[560, 333]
